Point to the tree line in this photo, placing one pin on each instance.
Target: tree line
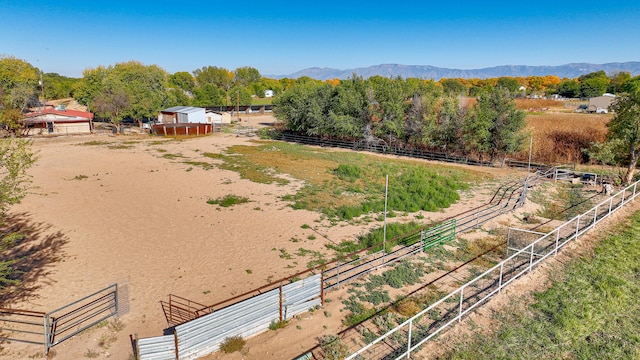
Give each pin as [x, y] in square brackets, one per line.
[408, 113]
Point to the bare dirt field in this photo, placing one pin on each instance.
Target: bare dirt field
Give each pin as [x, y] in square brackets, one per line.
[129, 210]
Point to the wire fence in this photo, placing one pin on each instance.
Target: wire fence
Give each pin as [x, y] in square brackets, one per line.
[407, 337]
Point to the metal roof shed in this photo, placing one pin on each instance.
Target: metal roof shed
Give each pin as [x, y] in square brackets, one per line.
[182, 114]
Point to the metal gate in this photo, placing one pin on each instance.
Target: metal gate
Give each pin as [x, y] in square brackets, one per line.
[51, 328]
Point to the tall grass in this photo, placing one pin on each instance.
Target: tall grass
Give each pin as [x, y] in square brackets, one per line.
[592, 311]
[561, 137]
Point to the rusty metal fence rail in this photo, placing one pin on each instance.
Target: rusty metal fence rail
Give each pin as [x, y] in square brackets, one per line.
[407, 337]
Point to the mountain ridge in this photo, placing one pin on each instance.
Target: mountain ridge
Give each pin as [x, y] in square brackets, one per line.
[571, 70]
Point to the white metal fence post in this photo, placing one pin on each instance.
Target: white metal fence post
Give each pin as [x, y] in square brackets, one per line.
[409, 340]
[595, 216]
[557, 239]
[531, 258]
[500, 280]
[461, 299]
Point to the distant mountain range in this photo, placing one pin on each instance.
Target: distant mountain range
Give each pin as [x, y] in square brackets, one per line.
[436, 73]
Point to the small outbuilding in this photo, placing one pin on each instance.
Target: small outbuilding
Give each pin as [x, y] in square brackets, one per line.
[601, 103]
[182, 115]
[218, 118]
[58, 121]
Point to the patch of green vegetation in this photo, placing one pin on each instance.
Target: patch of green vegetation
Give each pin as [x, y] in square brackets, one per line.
[591, 310]
[94, 143]
[277, 324]
[564, 204]
[120, 146]
[318, 258]
[396, 234]
[80, 177]
[202, 164]
[232, 344]
[347, 185]
[172, 156]
[333, 348]
[228, 200]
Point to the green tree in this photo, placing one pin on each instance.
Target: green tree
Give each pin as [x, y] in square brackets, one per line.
[624, 129]
[245, 76]
[509, 83]
[91, 84]
[182, 80]
[631, 85]
[57, 86]
[448, 134]
[494, 125]
[569, 89]
[453, 87]
[593, 84]
[220, 77]
[208, 95]
[15, 158]
[111, 103]
[18, 81]
[145, 85]
[617, 81]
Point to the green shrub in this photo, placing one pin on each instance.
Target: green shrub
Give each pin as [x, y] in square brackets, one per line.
[232, 344]
[348, 172]
[333, 347]
[228, 200]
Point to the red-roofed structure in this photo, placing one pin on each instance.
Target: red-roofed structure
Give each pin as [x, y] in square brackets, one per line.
[58, 121]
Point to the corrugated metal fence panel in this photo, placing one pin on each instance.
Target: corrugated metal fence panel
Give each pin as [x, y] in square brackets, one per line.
[300, 296]
[204, 335]
[157, 348]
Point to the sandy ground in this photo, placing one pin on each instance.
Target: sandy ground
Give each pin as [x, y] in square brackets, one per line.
[125, 214]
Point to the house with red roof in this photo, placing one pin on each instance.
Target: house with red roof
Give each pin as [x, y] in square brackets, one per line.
[58, 121]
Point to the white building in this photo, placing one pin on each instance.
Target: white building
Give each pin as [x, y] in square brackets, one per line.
[182, 114]
[268, 93]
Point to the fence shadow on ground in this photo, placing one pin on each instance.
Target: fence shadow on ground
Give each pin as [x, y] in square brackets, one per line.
[30, 255]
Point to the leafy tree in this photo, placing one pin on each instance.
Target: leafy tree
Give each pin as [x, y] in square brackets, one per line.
[111, 103]
[453, 87]
[245, 76]
[15, 158]
[208, 95]
[182, 80]
[631, 85]
[91, 84]
[495, 125]
[593, 84]
[57, 86]
[509, 83]
[18, 81]
[448, 134]
[14, 71]
[569, 89]
[624, 129]
[220, 77]
[593, 87]
[271, 84]
[617, 81]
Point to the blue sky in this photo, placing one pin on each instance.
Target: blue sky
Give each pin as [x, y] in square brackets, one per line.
[281, 37]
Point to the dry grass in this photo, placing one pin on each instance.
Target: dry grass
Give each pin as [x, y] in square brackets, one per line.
[560, 137]
[539, 104]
